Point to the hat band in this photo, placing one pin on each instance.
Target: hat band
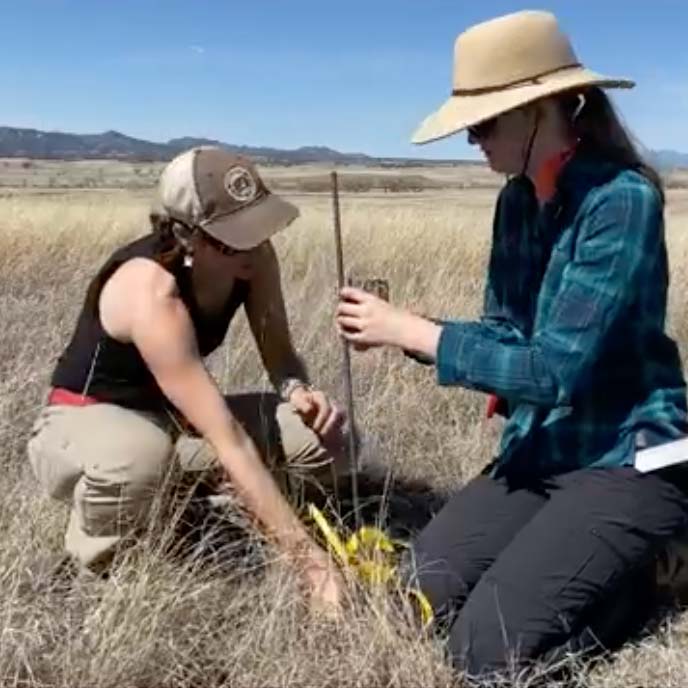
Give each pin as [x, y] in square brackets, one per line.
[511, 84]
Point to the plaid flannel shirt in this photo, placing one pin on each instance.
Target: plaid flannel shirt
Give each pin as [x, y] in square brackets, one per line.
[572, 334]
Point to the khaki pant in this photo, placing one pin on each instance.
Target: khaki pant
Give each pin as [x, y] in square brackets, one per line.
[109, 462]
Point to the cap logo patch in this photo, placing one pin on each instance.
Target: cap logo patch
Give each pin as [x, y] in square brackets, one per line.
[240, 184]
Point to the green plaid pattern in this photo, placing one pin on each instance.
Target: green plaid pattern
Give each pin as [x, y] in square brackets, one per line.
[572, 335]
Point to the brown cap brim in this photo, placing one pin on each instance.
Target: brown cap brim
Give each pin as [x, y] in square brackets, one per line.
[249, 227]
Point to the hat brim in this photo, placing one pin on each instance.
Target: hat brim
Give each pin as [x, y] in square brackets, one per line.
[249, 227]
[463, 111]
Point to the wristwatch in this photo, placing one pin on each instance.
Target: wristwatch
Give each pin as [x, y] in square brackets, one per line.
[288, 386]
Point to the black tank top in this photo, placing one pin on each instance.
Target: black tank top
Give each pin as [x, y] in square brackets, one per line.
[96, 365]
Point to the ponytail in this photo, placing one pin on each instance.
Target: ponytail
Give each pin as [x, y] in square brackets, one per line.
[174, 238]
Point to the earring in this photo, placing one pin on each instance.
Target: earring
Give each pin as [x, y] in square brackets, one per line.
[188, 260]
[579, 108]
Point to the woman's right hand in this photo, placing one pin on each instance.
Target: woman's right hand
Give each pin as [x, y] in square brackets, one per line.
[325, 584]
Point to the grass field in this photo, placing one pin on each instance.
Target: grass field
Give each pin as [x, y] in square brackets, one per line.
[162, 624]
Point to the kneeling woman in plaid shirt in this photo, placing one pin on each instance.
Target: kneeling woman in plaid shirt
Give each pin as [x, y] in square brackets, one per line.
[551, 549]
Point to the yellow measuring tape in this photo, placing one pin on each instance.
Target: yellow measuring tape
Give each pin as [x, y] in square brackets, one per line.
[371, 555]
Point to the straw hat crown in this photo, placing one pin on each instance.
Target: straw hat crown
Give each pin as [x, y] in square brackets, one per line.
[507, 62]
[510, 49]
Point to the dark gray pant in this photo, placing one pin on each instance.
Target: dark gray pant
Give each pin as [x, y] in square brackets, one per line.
[531, 571]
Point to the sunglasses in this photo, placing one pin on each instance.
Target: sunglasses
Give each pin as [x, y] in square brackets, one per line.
[482, 130]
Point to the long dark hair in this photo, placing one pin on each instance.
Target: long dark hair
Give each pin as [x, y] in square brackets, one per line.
[599, 130]
[171, 250]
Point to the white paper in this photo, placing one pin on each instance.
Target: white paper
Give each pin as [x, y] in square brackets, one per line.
[667, 454]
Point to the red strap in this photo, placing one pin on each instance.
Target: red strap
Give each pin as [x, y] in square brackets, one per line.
[492, 404]
[65, 397]
[496, 406]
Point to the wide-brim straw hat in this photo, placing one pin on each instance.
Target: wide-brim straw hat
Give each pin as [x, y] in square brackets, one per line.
[505, 63]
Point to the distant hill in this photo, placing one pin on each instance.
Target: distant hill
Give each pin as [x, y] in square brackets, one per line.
[296, 156]
[668, 159]
[33, 143]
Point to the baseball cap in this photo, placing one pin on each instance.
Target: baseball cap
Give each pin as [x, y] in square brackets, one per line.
[223, 194]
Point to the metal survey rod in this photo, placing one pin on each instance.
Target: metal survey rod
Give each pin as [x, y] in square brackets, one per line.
[346, 372]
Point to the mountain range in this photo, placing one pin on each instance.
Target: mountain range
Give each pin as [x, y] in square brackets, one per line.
[33, 143]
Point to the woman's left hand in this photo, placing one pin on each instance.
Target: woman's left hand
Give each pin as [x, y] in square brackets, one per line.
[366, 320]
[319, 412]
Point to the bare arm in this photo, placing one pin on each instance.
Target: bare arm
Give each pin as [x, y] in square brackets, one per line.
[140, 304]
[267, 317]
[268, 320]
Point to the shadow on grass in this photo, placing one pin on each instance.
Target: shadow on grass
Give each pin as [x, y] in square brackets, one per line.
[213, 527]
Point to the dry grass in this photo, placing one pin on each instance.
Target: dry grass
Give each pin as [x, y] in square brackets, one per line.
[56, 175]
[161, 623]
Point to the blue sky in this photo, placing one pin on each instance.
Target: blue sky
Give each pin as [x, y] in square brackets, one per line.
[357, 75]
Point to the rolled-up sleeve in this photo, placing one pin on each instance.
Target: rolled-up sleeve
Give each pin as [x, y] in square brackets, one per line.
[619, 235]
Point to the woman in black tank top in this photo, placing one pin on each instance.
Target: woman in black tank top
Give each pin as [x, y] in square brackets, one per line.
[97, 365]
[132, 380]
